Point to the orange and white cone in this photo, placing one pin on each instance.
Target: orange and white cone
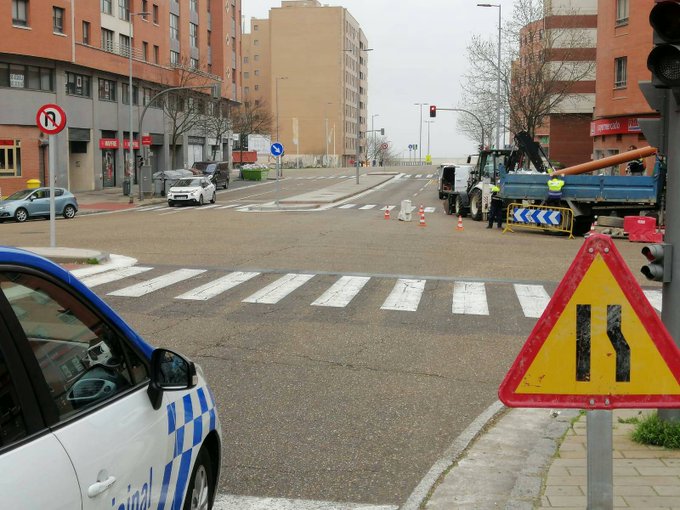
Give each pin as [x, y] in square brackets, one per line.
[387, 213]
[460, 223]
[421, 211]
[422, 220]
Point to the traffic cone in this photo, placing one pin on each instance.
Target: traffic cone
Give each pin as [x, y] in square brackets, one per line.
[421, 211]
[387, 213]
[460, 223]
[422, 220]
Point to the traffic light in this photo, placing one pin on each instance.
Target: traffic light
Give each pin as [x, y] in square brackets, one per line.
[664, 59]
[433, 110]
[659, 267]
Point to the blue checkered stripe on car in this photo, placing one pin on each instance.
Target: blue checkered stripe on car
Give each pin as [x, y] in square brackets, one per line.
[190, 419]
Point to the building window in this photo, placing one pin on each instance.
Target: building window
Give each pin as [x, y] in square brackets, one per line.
[145, 50]
[86, 32]
[257, 87]
[155, 14]
[245, 60]
[174, 27]
[621, 12]
[78, 85]
[57, 20]
[126, 94]
[107, 39]
[124, 10]
[193, 35]
[106, 7]
[107, 90]
[193, 62]
[620, 72]
[145, 6]
[174, 57]
[257, 72]
[256, 58]
[26, 77]
[256, 28]
[246, 75]
[256, 42]
[124, 44]
[20, 13]
[156, 54]
[10, 158]
[193, 5]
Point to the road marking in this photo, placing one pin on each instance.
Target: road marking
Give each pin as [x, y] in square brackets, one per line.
[160, 282]
[469, 298]
[405, 295]
[216, 287]
[115, 262]
[370, 206]
[275, 292]
[429, 176]
[211, 206]
[388, 207]
[654, 298]
[347, 206]
[532, 298]
[321, 177]
[419, 176]
[153, 208]
[253, 503]
[115, 275]
[229, 206]
[342, 291]
[175, 211]
[429, 209]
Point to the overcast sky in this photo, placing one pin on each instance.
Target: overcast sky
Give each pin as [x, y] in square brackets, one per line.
[418, 57]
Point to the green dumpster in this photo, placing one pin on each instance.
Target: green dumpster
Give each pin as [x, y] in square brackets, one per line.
[255, 174]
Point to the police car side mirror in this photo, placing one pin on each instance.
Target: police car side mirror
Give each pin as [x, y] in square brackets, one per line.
[169, 372]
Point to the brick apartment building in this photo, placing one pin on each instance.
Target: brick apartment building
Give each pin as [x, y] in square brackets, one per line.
[308, 63]
[76, 54]
[624, 40]
[567, 33]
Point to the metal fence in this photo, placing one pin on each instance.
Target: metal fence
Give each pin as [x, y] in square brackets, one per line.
[540, 217]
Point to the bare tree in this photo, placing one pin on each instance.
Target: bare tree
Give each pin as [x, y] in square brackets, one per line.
[217, 123]
[251, 118]
[379, 150]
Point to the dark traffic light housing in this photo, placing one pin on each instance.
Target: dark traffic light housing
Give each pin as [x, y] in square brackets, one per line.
[659, 267]
[664, 59]
[433, 110]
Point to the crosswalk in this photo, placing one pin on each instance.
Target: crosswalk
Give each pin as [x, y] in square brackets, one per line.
[341, 177]
[165, 210]
[334, 290]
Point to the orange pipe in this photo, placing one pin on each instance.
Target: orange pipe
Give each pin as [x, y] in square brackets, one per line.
[598, 164]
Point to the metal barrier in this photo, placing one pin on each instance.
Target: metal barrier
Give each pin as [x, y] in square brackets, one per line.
[540, 217]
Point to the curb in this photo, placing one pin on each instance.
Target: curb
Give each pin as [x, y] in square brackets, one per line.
[69, 255]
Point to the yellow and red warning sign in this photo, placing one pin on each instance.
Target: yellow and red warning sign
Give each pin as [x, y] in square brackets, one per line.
[598, 345]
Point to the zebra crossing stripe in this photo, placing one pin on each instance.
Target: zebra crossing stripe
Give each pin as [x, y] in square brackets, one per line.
[429, 176]
[347, 206]
[388, 207]
[229, 502]
[342, 292]
[654, 298]
[206, 207]
[405, 295]
[217, 287]
[152, 208]
[429, 209]
[278, 290]
[532, 298]
[160, 282]
[419, 176]
[115, 275]
[228, 206]
[370, 206]
[175, 211]
[469, 298]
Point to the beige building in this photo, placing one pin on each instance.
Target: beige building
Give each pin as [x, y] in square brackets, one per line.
[308, 64]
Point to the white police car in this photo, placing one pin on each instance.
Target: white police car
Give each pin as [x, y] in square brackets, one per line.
[91, 416]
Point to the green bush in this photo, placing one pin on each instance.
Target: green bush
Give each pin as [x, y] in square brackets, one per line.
[651, 430]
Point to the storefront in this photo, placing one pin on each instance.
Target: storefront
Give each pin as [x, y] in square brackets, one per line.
[614, 135]
[109, 147]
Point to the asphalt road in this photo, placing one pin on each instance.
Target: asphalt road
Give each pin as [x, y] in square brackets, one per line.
[352, 403]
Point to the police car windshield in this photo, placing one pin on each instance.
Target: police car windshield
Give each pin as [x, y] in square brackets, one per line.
[20, 195]
[188, 183]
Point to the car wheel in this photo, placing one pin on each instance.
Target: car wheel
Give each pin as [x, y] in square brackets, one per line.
[201, 487]
[214, 198]
[21, 215]
[200, 200]
[171, 203]
[69, 212]
[458, 207]
[476, 205]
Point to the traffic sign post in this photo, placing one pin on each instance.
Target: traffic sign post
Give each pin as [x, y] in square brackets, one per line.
[51, 120]
[277, 151]
[599, 345]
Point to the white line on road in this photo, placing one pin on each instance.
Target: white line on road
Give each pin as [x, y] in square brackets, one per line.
[342, 291]
[419, 176]
[347, 206]
[405, 296]
[370, 206]
[429, 209]
[115, 262]
[469, 298]
[229, 206]
[216, 287]
[153, 208]
[388, 207]
[429, 176]
[115, 275]
[175, 211]
[654, 298]
[253, 503]
[160, 282]
[211, 206]
[533, 299]
[278, 290]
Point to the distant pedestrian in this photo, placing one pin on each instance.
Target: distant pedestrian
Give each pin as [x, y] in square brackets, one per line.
[555, 185]
[637, 166]
[496, 208]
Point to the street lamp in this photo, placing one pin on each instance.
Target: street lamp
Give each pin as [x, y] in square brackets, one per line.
[131, 162]
[277, 104]
[358, 137]
[498, 78]
[372, 131]
[420, 132]
[325, 114]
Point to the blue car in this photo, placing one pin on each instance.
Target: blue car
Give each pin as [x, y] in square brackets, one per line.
[35, 203]
[89, 411]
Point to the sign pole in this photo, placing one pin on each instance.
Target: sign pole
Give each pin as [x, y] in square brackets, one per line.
[600, 460]
[52, 162]
[278, 172]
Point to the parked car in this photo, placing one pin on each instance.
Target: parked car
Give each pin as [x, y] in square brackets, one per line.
[100, 418]
[217, 171]
[35, 203]
[197, 190]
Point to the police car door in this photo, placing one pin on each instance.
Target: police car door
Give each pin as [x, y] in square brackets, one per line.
[36, 471]
[97, 405]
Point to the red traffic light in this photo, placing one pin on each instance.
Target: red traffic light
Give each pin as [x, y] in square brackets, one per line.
[433, 111]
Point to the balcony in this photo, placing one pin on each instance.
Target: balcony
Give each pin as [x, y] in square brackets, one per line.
[122, 49]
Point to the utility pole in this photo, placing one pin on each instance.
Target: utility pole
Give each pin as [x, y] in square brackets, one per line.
[420, 132]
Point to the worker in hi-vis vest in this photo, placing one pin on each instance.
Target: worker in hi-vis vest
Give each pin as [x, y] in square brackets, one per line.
[496, 208]
[555, 189]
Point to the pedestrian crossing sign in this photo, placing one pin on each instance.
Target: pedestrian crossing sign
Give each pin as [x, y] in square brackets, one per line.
[599, 343]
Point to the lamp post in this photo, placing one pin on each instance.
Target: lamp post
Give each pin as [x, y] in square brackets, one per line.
[358, 137]
[131, 161]
[372, 131]
[278, 158]
[428, 122]
[498, 77]
[420, 133]
[325, 115]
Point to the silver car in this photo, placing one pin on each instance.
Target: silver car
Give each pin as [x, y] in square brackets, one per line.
[35, 203]
[196, 190]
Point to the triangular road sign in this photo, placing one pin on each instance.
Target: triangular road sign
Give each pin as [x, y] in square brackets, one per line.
[598, 345]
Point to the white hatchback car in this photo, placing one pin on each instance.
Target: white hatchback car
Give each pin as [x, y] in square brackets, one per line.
[196, 190]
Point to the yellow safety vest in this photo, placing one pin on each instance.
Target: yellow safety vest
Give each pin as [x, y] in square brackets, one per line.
[555, 185]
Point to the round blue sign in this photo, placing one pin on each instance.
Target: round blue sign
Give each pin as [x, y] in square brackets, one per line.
[277, 149]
